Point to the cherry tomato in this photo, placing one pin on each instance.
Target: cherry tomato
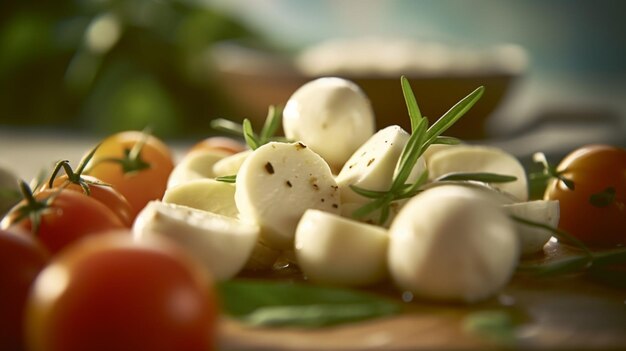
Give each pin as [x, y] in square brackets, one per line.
[106, 194]
[138, 172]
[58, 217]
[229, 145]
[22, 257]
[111, 293]
[595, 209]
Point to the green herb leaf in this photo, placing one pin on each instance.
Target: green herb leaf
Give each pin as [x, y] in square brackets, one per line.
[478, 177]
[227, 179]
[227, 126]
[249, 135]
[603, 198]
[271, 125]
[453, 115]
[411, 104]
[272, 303]
[496, 326]
[447, 140]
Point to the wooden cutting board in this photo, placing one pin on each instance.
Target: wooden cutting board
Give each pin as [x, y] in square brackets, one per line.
[558, 312]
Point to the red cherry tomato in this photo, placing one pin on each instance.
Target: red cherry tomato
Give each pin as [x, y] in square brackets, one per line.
[228, 145]
[58, 217]
[104, 193]
[138, 172]
[111, 293]
[22, 257]
[595, 210]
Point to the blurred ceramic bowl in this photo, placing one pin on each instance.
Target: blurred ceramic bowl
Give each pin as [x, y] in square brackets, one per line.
[439, 76]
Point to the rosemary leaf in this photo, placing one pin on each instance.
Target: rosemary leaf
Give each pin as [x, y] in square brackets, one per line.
[227, 179]
[478, 176]
[271, 125]
[454, 114]
[411, 104]
[227, 126]
[446, 140]
[249, 136]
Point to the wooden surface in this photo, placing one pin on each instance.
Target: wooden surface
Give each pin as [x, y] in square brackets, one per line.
[557, 313]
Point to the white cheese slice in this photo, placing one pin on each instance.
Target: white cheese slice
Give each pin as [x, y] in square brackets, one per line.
[204, 194]
[277, 183]
[221, 243]
[471, 158]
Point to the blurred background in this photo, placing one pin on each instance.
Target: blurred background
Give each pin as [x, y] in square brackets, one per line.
[555, 70]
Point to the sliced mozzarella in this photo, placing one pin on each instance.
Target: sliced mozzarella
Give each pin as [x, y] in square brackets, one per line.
[545, 212]
[334, 250]
[277, 183]
[230, 165]
[204, 194]
[469, 158]
[196, 164]
[435, 148]
[372, 166]
[222, 244]
[332, 116]
[452, 243]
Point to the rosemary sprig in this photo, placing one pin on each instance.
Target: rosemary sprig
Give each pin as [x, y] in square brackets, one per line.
[421, 137]
[245, 130]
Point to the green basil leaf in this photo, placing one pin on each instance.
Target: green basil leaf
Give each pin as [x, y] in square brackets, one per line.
[280, 303]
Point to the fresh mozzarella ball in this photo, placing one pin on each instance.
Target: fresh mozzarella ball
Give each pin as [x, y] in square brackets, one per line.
[222, 244]
[372, 166]
[334, 250]
[470, 158]
[451, 243]
[277, 183]
[332, 116]
[205, 194]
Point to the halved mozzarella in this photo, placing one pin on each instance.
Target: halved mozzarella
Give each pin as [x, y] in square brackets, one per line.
[196, 164]
[332, 116]
[221, 243]
[470, 158]
[277, 183]
[334, 250]
[533, 238]
[230, 165]
[372, 166]
[204, 194]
